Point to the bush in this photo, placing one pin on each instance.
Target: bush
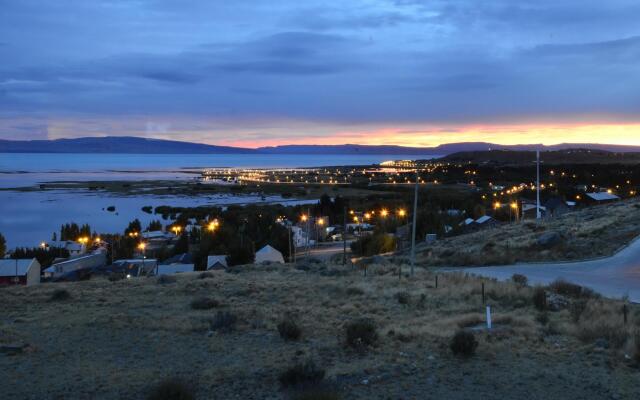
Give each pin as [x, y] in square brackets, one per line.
[576, 309]
[204, 303]
[165, 279]
[463, 343]
[520, 280]
[316, 392]
[302, 374]
[361, 333]
[289, 329]
[540, 298]
[60, 295]
[224, 322]
[354, 291]
[205, 275]
[114, 277]
[403, 297]
[572, 290]
[171, 389]
[543, 318]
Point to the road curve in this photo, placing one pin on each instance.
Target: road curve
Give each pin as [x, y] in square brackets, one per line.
[615, 276]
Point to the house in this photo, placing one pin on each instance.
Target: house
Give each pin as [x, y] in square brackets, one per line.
[19, 272]
[133, 267]
[529, 211]
[184, 258]
[75, 249]
[601, 197]
[269, 254]
[486, 221]
[75, 268]
[555, 207]
[170, 269]
[216, 262]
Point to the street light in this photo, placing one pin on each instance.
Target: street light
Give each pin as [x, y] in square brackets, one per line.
[402, 212]
[384, 213]
[304, 218]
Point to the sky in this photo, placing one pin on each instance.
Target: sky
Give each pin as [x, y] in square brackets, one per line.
[267, 72]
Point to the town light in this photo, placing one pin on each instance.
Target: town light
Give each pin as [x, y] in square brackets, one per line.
[514, 205]
[402, 212]
[497, 205]
[384, 213]
[176, 229]
[304, 218]
[320, 221]
[43, 245]
[98, 240]
[142, 246]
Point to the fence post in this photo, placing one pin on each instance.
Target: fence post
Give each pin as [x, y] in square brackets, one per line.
[436, 281]
[488, 317]
[624, 312]
[482, 292]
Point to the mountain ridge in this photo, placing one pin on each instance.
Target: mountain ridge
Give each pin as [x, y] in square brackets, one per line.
[137, 145]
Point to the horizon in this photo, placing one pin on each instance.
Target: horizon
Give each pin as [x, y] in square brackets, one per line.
[254, 74]
[544, 145]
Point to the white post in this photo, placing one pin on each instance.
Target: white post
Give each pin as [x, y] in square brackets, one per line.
[488, 317]
[538, 214]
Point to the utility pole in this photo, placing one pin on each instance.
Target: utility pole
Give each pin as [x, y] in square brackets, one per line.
[290, 254]
[413, 228]
[308, 231]
[344, 237]
[538, 214]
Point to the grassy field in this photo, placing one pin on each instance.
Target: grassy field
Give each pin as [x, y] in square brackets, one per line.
[588, 233]
[218, 335]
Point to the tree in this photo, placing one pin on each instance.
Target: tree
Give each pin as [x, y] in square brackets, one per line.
[3, 246]
[241, 253]
[134, 226]
[154, 225]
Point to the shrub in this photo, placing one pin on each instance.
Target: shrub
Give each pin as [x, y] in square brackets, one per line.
[302, 374]
[354, 291]
[361, 333]
[463, 343]
[224, 322]
[114, 277]
[205, 275]
[540, 298]
[165, 279]
[572, 290]
[171, 389]
[60, 295]
[316, 392]
[403, 297]
[543, 318]
[520, 280]
[204, 303]
[576, 309]
[289, 329]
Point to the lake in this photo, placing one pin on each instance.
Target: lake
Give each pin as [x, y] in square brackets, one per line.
[27, 218]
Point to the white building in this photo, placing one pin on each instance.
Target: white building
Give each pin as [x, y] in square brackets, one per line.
[217, 262]
[170, 269]
[269, 254]
[19, 272]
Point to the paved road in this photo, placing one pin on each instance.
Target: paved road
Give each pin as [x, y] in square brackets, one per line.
[615, 276]
[326, 250]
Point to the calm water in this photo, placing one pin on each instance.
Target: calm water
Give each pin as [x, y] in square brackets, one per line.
[29, 169]
[27, 218]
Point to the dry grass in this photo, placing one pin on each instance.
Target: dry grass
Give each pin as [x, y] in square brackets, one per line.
[588, 233]
[119, 337]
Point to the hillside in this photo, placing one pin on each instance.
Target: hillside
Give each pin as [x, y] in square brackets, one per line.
[117, 340]
[570, 156]
[584, 234]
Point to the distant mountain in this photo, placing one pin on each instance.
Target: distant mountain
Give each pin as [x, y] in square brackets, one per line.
[348, 149]
[123, 145]
[136, 145]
